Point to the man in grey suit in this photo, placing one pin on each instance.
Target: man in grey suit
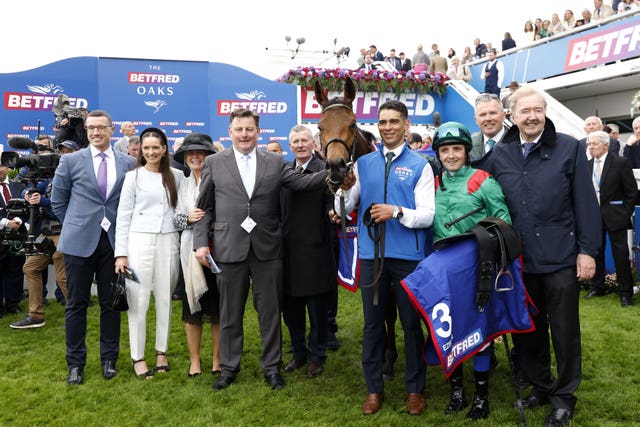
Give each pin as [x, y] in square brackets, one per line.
[489, 116]
[240, 193]
[85, 196]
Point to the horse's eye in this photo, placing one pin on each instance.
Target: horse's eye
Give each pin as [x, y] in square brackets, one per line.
[319, 129]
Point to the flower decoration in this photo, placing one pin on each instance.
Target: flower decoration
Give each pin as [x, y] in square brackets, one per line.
[368, 81]
[635, 104]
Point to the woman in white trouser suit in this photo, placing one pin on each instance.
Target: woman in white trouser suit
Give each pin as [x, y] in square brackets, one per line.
[147, 241]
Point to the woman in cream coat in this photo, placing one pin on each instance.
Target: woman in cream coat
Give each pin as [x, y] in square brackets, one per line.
[147, 242]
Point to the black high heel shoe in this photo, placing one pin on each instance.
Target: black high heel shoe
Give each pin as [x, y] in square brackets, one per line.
[162, 368]
[145, 375]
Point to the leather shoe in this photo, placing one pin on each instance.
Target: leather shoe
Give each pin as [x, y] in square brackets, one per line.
[315, 369]
[223, 382]
[415, 403]
[592, 294]
[626, 301]
[559, 417]
[294, 365]
[275, 381]
[109, 369]
[372, 403]
[532, 401]
[75, 376]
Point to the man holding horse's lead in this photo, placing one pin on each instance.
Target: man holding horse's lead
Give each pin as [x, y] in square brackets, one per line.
[395, 190]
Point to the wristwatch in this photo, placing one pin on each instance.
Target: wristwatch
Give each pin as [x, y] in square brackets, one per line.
[397, 212]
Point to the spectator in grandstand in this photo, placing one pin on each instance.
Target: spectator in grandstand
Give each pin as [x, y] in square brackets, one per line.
[405, 62]
[557, 26]
[467, 56]
[569, 20]
[456, 71]
[508, 42]
[420, 60]
[481, 49]
[376, 55]
[438, 63]
[601, 10]
[529, 31]
[451, 53]
[493, 74]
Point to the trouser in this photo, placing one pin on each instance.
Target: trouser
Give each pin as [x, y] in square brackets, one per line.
[80, 274]
[266, 283]
[373, 343]
[154, 258]
[556, 297]
[32, 270]
[293, 312]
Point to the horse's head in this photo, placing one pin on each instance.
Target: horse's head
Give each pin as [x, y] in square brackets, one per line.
[338, 132]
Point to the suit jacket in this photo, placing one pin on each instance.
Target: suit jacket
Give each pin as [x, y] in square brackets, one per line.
[478, 150]
[632, 152]
[78, 204]
[226, 203]
[618, 193]
[614, 145]
[309, 264]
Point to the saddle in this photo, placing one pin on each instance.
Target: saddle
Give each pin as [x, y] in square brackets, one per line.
[498, 246]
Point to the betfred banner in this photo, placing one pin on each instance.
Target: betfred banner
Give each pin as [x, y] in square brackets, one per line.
[420, 106]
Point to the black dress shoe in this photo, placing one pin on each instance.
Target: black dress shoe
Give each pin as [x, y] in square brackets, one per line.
[534, 400]
[559, 417]
[294, 365]
[626, 301]
[75, 376]
[592, 294]
[275, 381]
[223, 382]
[109, 369]
[315, 369]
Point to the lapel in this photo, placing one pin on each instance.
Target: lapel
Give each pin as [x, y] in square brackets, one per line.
[87, 162]
[605, 169]
[261, 168]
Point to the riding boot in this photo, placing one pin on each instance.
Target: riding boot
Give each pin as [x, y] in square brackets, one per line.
[457, 402]
[480, 404]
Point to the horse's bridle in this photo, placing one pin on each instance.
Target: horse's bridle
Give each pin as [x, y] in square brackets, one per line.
[352, 151]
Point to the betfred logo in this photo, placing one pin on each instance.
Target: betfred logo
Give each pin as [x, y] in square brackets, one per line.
[613, 44]
[152, 78]
[225, 107]
[36, 102]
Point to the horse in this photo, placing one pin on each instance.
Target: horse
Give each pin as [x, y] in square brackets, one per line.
[342, 144]
[341, 140]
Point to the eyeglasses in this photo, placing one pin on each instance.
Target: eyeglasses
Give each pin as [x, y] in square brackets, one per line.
[100, 128]
[486, 97]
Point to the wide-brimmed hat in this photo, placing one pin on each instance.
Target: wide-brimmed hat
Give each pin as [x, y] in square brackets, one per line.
[195, 141]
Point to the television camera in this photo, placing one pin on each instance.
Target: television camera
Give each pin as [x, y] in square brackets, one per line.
[35, 168]
[63, 110]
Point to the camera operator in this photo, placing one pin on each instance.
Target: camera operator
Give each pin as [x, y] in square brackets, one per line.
[49, 226]
[72, 128]
[11, 279]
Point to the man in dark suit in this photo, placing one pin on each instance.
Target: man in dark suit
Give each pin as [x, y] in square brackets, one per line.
[309, 264]
[11, 278]
[617, 191]
[240, 193]
[85, 196]
[545, 178]
[592, 124]
[489, 116]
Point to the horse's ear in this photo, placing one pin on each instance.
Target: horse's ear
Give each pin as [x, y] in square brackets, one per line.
[320, 95]
[349, 90]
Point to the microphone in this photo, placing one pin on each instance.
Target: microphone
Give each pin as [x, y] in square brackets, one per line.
[21, 143]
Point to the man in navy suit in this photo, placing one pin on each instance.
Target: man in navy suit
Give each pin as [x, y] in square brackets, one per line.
[85, 196]
[617, 192]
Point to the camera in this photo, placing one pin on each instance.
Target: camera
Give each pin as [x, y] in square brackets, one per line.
[62, 109]
[39, 165]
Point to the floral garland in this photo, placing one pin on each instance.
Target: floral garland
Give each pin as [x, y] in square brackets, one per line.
[368, 81]
[635, 104]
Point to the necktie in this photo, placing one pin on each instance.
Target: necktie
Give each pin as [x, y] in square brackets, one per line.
[5, 192]
[300, 168]
[102, 176]
[597, 174]
[490, 143]
[390, 155]
[246, 174]
[527, 147]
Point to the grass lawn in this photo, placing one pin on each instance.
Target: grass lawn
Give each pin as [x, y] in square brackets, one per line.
[34, 390]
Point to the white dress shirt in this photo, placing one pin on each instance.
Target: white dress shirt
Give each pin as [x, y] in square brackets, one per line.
[110, 157]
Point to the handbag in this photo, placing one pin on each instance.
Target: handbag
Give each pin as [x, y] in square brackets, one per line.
[118, 299]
